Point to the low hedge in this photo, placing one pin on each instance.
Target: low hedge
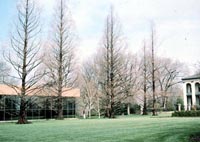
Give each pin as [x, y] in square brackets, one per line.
[186, 114]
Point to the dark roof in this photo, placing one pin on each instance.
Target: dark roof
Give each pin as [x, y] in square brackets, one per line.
[196, 76]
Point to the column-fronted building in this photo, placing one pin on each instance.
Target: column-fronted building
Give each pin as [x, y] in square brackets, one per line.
[191, 92]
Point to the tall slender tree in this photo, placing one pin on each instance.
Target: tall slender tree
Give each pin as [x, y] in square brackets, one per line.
[61, 61]
[23, 55]
[111, 63]
[153, 69]
[144, 80]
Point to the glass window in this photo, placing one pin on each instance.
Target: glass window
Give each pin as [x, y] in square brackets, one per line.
[189, 88]
[198, 87]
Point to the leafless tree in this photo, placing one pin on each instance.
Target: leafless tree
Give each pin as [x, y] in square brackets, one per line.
[145, 80]
[23, 55]
[111, 62]
[61, 60]
[153, 68]
[130, 78]
[90, 92]
[168, 75]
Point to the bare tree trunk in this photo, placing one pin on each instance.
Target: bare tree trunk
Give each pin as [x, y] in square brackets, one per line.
[98, 109]
[22, 113]
[153, 72]
[128, 109]
[145, 83]
[89, 111]
[60, 108]
[165, 103]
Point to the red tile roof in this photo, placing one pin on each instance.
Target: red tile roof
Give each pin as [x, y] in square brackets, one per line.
[67, 92]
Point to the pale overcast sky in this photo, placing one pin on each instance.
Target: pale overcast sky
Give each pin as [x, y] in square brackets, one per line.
[177, 24]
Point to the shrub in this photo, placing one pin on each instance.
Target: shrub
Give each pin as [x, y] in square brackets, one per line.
[194, 107]
[180, 101]
[186, 114]
[197, 107]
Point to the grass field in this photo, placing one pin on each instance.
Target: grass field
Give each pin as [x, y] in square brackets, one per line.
[123, 129]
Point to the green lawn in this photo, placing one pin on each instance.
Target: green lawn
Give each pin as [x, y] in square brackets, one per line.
[123, 129]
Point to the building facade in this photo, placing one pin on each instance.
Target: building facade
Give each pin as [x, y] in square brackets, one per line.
[40, 106]
[191, 92]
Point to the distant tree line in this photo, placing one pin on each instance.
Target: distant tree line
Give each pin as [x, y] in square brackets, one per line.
[116, 79]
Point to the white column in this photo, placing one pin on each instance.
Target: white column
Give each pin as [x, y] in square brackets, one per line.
[179, 107]
[141, 109]
[189, 107]
[185, 95]
[128, 109]
[193, 94]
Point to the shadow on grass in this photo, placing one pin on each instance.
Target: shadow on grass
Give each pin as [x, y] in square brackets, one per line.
[195, 137]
